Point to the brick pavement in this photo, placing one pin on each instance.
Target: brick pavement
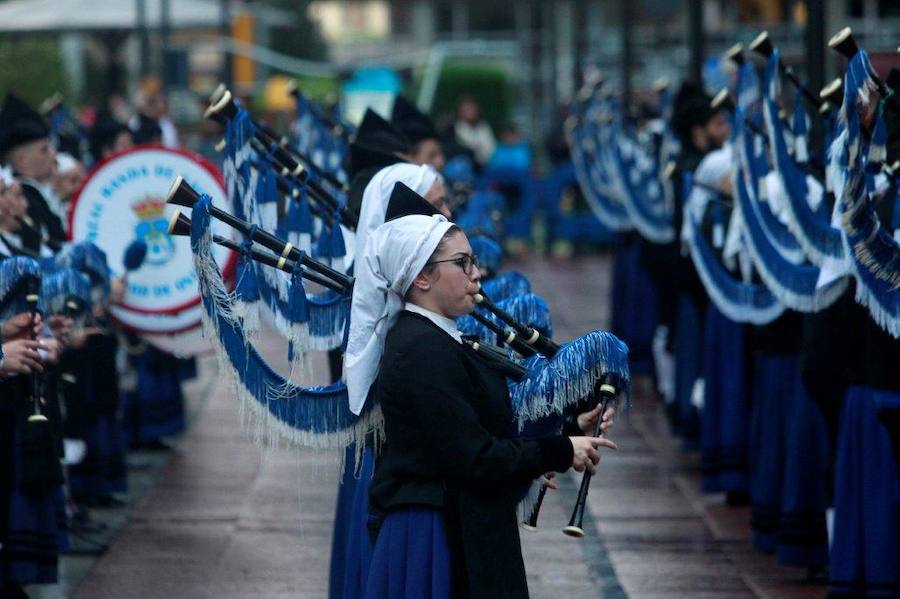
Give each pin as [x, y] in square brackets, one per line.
[229, 519]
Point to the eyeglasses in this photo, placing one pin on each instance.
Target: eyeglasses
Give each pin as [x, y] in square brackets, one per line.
[465, 262]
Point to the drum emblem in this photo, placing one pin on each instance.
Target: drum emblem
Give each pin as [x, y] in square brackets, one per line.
[152, 228]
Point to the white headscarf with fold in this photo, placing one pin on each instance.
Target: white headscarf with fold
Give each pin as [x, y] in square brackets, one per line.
[394, 255]
[378, 193]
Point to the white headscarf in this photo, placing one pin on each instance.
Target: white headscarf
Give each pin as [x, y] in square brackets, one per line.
[65, 162]
[394, 255]
[378, 192]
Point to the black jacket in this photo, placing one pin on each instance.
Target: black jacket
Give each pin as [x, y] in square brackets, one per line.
[450, 445]
[44, 219]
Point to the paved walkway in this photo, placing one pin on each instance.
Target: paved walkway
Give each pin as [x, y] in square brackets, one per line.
[229, 519]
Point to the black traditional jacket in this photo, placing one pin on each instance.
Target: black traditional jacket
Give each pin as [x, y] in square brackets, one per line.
[450, 445]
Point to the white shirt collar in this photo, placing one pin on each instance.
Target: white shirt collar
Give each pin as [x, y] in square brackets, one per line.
[448, 325]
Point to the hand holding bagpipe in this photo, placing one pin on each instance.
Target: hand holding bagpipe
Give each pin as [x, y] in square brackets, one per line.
[593, 422]
[607, 392]
[20, 346]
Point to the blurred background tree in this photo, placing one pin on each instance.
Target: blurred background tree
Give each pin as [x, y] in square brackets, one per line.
[299, 38]
[31, 67]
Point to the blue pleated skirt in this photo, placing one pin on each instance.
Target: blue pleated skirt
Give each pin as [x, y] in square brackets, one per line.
[865, 552]
[725, 416]
[634, 308]
[411, 558]
[684, 416]
[789, 455]
[156, 406]
[768, 424]
[351, 548]
[103, 469]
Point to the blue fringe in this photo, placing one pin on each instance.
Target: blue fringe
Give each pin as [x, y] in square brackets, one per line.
[247, 288]
[815, 235]
[14, 273]
[299, 219]
[529, 309]
[875, 253]
[86, 257]
[506, 284]
[328, 314]
[550, 386]
[59, 286]
[313, 417]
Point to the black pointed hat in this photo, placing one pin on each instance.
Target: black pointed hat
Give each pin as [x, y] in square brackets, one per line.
[404, 202]
[412, 122]
[19, 124]
[376, 144]
[378, 134]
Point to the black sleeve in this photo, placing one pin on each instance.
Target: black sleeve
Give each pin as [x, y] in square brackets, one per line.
[438, 404]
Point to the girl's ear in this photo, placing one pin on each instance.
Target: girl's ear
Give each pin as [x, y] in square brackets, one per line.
[422, 282]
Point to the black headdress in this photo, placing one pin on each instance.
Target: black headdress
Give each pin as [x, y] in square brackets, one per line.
[19, 124]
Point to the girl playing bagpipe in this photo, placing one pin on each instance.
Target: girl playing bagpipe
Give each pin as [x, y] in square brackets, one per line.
[451, 471]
